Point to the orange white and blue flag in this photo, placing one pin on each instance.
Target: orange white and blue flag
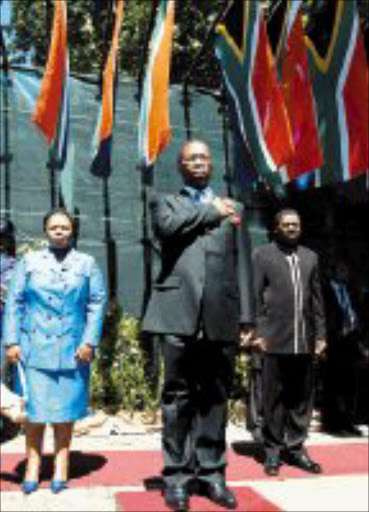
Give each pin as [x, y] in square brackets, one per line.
[250, 75]
[103, 137]
[154, 120]
[51, 112]
[297, 91]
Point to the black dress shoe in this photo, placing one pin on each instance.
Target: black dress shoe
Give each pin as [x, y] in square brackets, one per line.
[342, 430]
[218, 493]
[176, 497]
[272, 464]
[352, 430]
[336, 432]
[303, 461]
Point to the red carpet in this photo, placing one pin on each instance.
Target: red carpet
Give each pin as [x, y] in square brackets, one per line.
[248, 500]
[133, 467]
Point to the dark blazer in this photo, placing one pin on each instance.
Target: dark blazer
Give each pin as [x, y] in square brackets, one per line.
[274, 295]
[198, 284]
[334, 314]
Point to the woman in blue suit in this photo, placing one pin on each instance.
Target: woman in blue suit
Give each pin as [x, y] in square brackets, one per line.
[53, 323]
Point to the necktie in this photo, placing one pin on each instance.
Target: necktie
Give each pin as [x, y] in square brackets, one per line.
[346, 305]
[198, 197]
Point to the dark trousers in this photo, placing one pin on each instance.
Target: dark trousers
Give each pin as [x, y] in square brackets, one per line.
[254, 400]
[197, 380]
[287, 401]
[340, 383]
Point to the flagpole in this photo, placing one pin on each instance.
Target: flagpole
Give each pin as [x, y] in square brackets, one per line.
[56, 199]
[225, 132]
[147, 178]
[141, 74]
[50, 165]
[149, 342]
[187, 110]
[111, 253]
[7, 157]
[186, 98]
[110, 245]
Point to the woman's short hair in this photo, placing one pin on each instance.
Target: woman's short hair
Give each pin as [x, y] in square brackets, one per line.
[6, 228]
[58, 211]
[7, 234]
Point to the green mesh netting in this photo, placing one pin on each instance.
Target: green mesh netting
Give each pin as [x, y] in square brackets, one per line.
[108, 212]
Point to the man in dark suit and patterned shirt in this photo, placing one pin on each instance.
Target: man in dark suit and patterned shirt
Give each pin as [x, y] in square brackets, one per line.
[200, 301]
[290, 330]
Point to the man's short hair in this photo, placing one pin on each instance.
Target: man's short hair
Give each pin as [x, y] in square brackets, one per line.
[185, 144]
[282, 213]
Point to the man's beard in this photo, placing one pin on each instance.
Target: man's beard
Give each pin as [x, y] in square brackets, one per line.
[289, 243]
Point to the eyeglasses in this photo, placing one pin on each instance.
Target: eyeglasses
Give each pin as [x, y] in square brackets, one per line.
[196, 156]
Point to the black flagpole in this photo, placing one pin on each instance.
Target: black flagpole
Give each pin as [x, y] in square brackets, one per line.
[147, 180]
[6, 157]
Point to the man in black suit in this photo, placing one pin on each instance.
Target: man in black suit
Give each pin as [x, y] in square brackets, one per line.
[290, 329]
[198, 304]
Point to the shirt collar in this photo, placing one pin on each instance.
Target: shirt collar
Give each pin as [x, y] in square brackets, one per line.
[199, 195]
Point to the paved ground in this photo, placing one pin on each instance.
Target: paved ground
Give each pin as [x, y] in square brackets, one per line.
[327, 493]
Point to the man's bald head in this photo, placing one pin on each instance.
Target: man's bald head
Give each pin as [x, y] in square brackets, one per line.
[194, 163]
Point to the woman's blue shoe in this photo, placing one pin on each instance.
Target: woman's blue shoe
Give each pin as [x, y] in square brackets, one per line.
[29, 486]
[58, 485]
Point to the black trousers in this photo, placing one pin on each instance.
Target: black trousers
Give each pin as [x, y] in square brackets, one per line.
[287, 387]
[340, 379]
[197, 381]
[254, 400]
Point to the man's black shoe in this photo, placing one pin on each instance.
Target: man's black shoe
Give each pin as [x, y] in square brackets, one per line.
[352, 430]
[342, 431]
[176, 497]
[272, 464]
[336, 432]
[220, 494]
[303, 461]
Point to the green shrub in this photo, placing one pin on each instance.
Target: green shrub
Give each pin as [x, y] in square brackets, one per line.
[237, 402]
[119, 378]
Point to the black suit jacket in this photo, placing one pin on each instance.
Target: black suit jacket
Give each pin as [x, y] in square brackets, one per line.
[335, 316]
[199, 281]
[275, 300]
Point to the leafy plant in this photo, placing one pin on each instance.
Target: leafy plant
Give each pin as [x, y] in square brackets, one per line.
[237, 402]
[119, 372]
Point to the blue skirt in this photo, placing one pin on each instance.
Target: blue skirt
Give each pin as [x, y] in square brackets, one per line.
[57, 396]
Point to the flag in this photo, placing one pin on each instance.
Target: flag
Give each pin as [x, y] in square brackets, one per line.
[245, 175]
[292, 61]
[154, 123]
[51, 112]
[250, 76]
[341, 84]
[102, 141]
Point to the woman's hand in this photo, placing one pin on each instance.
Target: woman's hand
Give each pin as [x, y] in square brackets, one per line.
[85, 353]
[13, 354]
